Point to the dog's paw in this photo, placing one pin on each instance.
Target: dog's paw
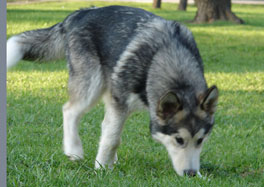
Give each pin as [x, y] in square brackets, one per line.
[75, 153]
[102, 162]
[99, 165]
[74, 157]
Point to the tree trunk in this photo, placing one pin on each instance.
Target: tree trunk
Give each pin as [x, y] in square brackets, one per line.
[182, 5]
[156, 3]
[213, 10]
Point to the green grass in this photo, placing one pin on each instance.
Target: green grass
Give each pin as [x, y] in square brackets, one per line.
[233, 156]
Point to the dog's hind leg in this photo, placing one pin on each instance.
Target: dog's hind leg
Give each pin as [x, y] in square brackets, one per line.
[86, 85]
[112, 126]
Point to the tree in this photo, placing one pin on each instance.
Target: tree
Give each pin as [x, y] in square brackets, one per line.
[156, 3]
[213, 10]
[182, 5]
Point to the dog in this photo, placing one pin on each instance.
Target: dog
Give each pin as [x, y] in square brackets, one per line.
[134, 60]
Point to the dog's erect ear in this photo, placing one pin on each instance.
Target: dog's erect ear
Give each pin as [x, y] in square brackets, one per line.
[209, 100]
[168, 105]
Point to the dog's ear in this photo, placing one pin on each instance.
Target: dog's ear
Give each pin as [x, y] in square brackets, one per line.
[168, 105]
[209, 100]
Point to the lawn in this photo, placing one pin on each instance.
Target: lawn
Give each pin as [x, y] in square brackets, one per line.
[233, 156]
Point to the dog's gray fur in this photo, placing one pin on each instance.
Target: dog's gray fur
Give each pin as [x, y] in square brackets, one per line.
[134, 59]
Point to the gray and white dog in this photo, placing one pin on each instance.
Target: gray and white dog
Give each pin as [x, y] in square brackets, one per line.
[133, 59]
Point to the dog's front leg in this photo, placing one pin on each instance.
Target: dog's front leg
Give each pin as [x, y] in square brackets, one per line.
[112, 126]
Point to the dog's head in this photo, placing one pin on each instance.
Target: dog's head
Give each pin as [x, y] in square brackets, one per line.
[183, 127]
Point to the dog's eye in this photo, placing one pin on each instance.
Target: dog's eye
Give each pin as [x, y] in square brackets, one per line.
[179, 140]
[199, 141]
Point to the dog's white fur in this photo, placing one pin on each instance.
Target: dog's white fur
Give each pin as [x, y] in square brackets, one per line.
[13, 52]
[112, 126]
[73, 111]
[184, 157]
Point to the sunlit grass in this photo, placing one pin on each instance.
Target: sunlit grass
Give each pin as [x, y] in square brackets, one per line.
[233, 156]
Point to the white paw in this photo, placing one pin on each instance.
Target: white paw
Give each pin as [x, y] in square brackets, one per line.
[100, 164]
[74, 157]
[74, 152]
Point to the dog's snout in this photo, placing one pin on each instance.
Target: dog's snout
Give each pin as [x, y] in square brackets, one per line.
[190, 173]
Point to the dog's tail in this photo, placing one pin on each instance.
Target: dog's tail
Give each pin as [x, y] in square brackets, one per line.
[36, 45]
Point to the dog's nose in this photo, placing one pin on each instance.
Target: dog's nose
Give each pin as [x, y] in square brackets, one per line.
[190, 172]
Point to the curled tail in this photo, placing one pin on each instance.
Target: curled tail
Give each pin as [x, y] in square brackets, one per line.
[36, 45]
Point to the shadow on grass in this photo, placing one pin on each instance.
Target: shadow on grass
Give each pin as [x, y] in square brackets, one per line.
[45, 111]
[210, 67]
[217, 171]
